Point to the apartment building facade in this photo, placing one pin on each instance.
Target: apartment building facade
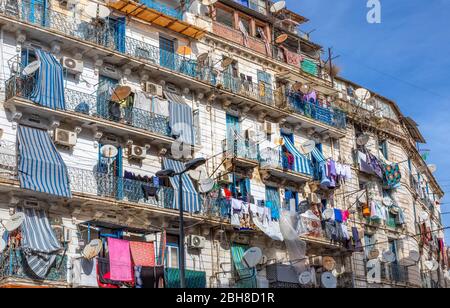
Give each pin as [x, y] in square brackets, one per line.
[97, 97]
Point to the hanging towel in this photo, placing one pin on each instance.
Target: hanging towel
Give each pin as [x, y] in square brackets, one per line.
[338, 215]
[85, 273]
[49, 88]
[39, 242]
[292, 58]
[143, 253]
[160, 107]
[142, 101]
[182, 122]
[120, 260]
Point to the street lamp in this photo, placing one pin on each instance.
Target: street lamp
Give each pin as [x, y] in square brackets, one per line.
[170, 173]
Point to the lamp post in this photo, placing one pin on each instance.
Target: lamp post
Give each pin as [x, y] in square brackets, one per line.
[190, 165]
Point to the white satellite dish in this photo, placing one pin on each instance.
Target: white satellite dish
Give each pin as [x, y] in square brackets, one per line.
[305, 278]
[202, 57]
[252, 257]
[208, 2]
[31, 68]
[328, 214]
[307, 147]
[432, 168]
[362, 94]
[109, 151]
[328, 280]
[431, 265]
[14, 222]
[278, 6]
[95, 11]
[198, 174]
[414, 256]
[362, 139]
[423, 215]
[206, 185]
[388, 256]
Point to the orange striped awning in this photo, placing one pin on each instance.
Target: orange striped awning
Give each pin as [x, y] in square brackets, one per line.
[140, 11]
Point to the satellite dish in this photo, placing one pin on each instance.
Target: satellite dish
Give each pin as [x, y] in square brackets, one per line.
[328, 280]
[208, 2]
[3, 239]
[281, 39]
[92, 249]
[31, 68]
[206, 185]
[432, 168]
[388, 256]
[184, 50]
[297, 87]
[373, 254]
[120, 93]
[423, 215]
[307, 147]
[387, 201]
[328, 263]
[414, 256]
[227, 62]
[305, 278]
[95, 11]
[202, 58]
[109, 151]
[431, 265]
[14, 222]
[278, 6]
[362, 94]
[252, 257]
[362, 139]
[198, 174]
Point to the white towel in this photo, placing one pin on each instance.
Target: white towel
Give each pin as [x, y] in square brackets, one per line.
[236, 204]
[142, 101]
[160, 106]
[84, 273]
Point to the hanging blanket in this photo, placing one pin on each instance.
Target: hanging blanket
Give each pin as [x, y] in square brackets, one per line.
[49, 88]
[120, 260]
[39, 242]
[392, 175]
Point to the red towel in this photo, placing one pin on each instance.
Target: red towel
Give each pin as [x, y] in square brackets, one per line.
[143, 253]
[120, 260]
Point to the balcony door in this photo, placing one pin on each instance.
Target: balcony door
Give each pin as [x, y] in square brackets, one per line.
[167, 53]
[105, 109]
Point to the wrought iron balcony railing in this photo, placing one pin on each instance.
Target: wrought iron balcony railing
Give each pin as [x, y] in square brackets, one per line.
[13, 265]
[241, 149]
[328, 115]
[96, 105]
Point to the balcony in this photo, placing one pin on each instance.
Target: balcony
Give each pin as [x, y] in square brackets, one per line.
[240, 153]
[392, 273]
[237, 37]
[328, 115]
[94, 109]
[275, 166]
[14, 272]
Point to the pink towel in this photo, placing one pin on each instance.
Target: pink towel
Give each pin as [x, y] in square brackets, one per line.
[120, 260]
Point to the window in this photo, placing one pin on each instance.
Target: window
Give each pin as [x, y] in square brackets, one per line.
[383, 148]
[224, 17]
[260, 29]
[172, 256]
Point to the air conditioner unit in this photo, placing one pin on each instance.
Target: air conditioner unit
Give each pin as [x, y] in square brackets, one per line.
[110, 71]
[154, 89]
[137, 152]
[73, 66]
[196, 241]
[65, 137]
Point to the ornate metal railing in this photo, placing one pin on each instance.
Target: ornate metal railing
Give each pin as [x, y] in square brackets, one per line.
[261, 91]
[328, 115]
[240, 149]
[96, 105]
[14, 265]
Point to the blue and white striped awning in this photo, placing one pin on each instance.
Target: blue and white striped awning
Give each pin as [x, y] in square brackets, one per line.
[182, 122]
[191, 199]
[41, 167]
[39, 243]
[318, 156]
[301, 163]
[49, 86]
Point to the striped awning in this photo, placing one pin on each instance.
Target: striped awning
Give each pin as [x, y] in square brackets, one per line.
[191, 199]
[318, 156]
[39, 243]
[182, 122]
[41, 167]
[49, 86]
[301, 164]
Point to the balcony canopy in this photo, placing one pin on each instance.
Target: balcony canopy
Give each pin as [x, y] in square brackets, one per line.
[153, 16]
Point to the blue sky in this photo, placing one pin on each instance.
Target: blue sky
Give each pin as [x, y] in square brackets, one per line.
[405, 58]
